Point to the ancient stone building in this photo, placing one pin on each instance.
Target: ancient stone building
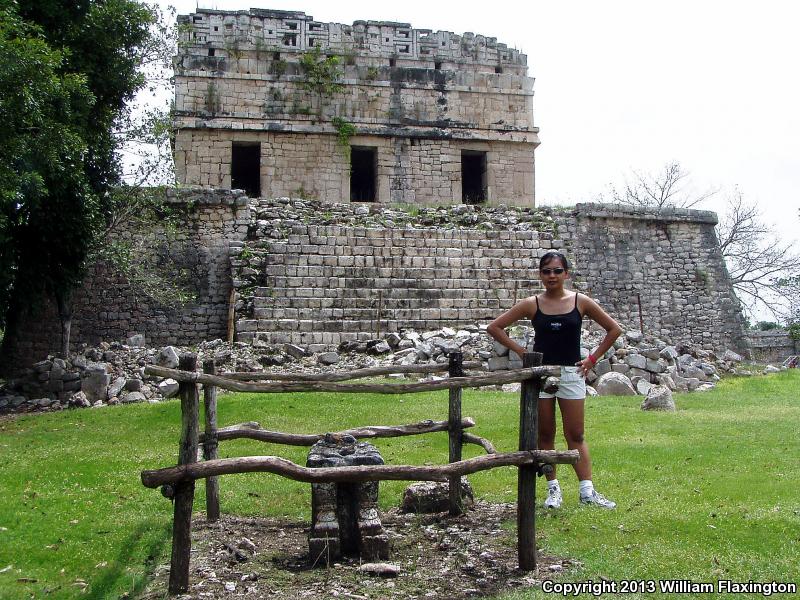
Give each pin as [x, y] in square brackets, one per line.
[409, 115]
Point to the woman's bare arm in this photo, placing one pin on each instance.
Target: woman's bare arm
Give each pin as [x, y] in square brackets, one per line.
[525, 309]
[592, 310]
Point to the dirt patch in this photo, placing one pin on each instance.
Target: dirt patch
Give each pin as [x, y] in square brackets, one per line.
[438, 556]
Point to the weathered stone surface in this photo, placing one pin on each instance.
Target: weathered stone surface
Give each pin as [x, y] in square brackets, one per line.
[614, 384]
[669, 353]
[434, 496]
[659, 398]
[133, 385]
[382, 347]
[642, 386]
[95, 382]
[328, 358]
[731, 356]
[602, 367]
[393, 339]
[168, 388]
[168, 357]
[380, 569]
[636, 361]
[132, 397]
[136, 341]
[634, 337]
[295, 351]
[79, 400]
[116, 386]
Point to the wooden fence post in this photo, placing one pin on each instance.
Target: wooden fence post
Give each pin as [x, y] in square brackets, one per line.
[455, 369]
[526, 483]
[210, 441]
[184, 491]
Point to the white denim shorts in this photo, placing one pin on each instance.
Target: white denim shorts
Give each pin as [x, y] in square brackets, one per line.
[571, 385]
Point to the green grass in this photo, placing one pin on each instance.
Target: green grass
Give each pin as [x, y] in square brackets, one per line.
[708, 492]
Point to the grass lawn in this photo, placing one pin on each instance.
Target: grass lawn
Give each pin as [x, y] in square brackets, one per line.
[706, 493]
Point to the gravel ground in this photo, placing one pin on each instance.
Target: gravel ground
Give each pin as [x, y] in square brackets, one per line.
[437, 556]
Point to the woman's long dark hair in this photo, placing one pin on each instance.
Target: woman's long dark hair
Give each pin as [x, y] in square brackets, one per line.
[548, 256]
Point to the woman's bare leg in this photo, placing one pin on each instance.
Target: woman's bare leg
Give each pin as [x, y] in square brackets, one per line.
[572, 415]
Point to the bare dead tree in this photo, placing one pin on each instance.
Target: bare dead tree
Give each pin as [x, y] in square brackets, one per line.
[669, 187]
[764, 270]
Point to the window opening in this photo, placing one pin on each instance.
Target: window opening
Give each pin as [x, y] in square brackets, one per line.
[498, 69]
[392, 62]
[246, 168]
[437, 65]
[212, 51]
[363, 173]
[473, 177]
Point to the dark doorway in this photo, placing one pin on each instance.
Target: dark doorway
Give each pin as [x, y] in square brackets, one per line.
[473, 177]
[246, 168]
[363, 174]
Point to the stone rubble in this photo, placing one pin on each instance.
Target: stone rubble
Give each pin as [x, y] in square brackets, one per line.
[113, 373]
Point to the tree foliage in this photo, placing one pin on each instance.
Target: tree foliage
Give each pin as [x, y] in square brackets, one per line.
[69, 69]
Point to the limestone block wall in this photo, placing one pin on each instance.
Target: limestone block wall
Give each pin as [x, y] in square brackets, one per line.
[313, 284]
[409, 170]
[371, 96]
[315, 272]
[240, 79]
[666, 262]
[772, 346]
[106, 307]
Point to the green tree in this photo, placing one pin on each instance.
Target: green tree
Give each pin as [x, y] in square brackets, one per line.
[69, 69]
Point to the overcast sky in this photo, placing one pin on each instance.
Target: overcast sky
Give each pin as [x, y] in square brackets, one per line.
[635, 84]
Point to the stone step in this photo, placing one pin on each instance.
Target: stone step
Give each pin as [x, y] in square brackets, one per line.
[431, 238]
[393, 256]
[247, 330]
[301, 285]
[333, 297]
[263, 315]
[278, 272]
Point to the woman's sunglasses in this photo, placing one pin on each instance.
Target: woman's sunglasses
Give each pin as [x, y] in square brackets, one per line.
[557, 271]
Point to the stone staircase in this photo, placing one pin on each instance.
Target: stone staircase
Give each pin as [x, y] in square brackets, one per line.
[325, 285]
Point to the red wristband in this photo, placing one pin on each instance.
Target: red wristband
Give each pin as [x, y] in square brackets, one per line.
[593, 359]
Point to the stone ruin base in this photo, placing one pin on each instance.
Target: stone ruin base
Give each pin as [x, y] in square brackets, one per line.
[344, 516]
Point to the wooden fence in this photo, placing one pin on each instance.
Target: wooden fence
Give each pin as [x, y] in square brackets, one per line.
[178, 482]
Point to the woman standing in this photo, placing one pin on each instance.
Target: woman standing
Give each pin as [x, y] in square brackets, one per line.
[557, 315]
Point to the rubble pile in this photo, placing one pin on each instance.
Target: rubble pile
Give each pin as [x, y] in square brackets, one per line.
[113, 373]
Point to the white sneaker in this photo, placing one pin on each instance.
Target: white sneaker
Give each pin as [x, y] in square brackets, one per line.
[553, 499]
[597, 499]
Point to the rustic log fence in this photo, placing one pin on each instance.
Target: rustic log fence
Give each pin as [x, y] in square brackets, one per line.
[178, 482]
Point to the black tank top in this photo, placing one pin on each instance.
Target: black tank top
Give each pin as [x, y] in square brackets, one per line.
[558, 337]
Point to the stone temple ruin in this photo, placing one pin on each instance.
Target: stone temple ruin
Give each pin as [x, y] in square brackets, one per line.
[418, 116]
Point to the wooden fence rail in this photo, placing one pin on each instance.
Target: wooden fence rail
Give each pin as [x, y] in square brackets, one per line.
[290, 470]
[179, 481]
[516, 375]
[252, 430]
[344, 376]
